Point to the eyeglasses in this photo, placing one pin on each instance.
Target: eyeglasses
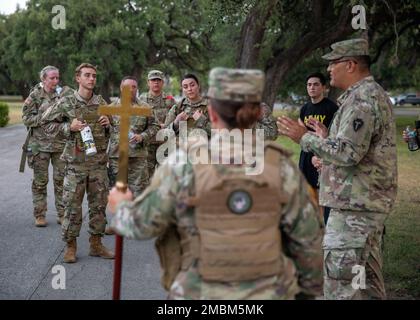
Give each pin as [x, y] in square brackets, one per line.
[339, 61]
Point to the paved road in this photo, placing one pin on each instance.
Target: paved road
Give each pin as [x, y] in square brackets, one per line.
[408, 112]
[28, 254]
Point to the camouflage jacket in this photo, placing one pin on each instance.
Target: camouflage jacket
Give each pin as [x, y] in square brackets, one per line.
[145, 126]
[190, 108]
[58, 117]
[34, 106]
[160, 104]
[268, 123]
[359, 155]
[165, 202]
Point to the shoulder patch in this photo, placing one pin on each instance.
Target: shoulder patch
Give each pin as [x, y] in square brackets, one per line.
[357, 124]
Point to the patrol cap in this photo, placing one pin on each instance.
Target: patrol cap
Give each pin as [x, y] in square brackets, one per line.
[241, 85]
[155, 74]
[348, 48]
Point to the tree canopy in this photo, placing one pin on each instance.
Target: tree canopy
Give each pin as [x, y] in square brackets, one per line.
[284, 38]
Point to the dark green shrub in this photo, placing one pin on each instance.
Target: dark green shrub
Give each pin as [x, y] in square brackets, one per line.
[4, 114]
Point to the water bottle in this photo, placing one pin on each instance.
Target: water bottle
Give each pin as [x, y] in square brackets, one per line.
[89, 143]
[412, 140]
[130, 136]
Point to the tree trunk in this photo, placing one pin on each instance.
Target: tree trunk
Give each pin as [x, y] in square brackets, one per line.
[137, 71]
[104, 91]
[278, 67]
[334, 93]
[252, 34]
[23, 88]
[285, 59]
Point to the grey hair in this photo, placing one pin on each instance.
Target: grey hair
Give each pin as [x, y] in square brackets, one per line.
[43, 72]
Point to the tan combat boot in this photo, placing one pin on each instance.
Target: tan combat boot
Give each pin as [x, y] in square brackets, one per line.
[70, 254]
[97, 249]
[40, 222]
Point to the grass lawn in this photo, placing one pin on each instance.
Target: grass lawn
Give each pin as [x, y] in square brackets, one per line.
[15, 112]
[15, 108]
[402, 239]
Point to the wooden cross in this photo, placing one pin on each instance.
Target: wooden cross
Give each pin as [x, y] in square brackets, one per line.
[124, 111]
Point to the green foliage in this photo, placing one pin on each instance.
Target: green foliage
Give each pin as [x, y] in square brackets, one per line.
[131, 37]
[120, 37]
[4, 114]
[290, 21]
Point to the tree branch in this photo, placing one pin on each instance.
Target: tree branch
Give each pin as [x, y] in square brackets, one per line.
[387, 40]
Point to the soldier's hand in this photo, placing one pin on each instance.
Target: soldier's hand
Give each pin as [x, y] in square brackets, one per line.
[290, 128]
[137, 138]
[115, 197]
[181, 117]
[320, 129]
[316, 162]
[197, 115]
[77, 125]
[405, 136]
[104, 121]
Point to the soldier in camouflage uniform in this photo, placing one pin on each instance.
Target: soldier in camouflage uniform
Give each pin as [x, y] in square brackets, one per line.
[161, 104]
[192, 109]
[359, 174]
[211, 214]
[44, 148]
[142, 130]
[84, 173]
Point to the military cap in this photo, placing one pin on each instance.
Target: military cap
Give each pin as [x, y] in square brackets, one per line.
[155, 74]
[348, 48]
[241, 85]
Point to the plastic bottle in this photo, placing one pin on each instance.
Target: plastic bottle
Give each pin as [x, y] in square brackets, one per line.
[89, 143]
[412, 141]
[58, 89]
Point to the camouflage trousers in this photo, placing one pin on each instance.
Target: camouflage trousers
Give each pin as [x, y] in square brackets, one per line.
[151, 158]
[353, 256]
[40, 164]
[138, 173]
[90, 178]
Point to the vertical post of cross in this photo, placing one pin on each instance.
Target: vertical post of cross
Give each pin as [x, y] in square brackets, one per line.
[124, 111]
